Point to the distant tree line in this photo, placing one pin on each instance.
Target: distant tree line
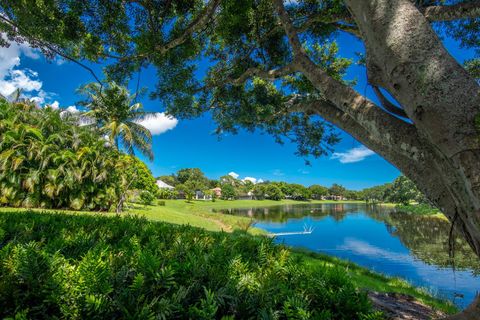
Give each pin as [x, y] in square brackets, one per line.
[190, 180]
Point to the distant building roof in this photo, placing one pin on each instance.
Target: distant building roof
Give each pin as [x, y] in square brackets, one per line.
[217, 191]
[163, 185]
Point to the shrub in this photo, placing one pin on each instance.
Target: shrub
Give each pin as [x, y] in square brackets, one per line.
[146, 197]
[273, 192]
[167, 194]
[161, 203]
[94, 267]
[228, 192]
[419, 209]
[48, 161]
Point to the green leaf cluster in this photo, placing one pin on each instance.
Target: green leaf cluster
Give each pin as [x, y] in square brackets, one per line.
[116, 113]
[96, 267]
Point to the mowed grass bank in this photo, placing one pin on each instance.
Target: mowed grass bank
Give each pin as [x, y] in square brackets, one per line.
[202, 213]
[197, 213]
[372, 281]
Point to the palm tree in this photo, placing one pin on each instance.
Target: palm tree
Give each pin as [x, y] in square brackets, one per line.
[115, 112]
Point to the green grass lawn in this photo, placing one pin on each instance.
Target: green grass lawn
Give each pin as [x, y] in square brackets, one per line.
[200, 213]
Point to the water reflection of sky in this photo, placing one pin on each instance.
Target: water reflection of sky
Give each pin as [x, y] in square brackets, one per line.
[363, 240]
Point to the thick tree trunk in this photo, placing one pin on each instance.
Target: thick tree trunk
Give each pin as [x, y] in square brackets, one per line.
[406, 57]
[440, 149]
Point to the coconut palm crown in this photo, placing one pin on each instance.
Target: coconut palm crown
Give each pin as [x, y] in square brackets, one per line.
[114, 110]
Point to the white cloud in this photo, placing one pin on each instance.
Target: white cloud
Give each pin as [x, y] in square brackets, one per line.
[251, 179]
[260, 181]
[10, 57]
[25, 80]
[39, 97]
[278, 173]
[353, 155]
[72, 109]
[234, 175]
[12, 77]
[55, 105]
[159, 123]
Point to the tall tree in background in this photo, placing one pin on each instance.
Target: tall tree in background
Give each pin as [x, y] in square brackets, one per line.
[337, 190]
[318, 191]
[113, 109]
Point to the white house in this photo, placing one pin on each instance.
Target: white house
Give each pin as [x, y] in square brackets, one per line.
[163, 185]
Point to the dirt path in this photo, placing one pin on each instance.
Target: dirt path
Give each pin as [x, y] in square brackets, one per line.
[223, 226]
[398, 306]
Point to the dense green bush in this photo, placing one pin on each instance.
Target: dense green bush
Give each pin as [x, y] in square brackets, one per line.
[273, 192]
[94, 267]
[418, 209]
[228, 192]
[146, 197]
[48, 160]
[165, 193]
[139, 175]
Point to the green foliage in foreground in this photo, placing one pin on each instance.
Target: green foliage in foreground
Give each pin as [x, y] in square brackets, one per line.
[93, 267]
[370, 280]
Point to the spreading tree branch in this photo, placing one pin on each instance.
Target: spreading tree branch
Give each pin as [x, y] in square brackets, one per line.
[381, 141]
[342, 22]
[342, 96]
[463, 10]
[52, 48]
[378, 125]
[265, 74]
[196, 25]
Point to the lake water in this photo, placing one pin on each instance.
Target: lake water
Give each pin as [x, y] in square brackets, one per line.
[412, 247]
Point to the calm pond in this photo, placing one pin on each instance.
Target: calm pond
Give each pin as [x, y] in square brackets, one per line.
[408, 246]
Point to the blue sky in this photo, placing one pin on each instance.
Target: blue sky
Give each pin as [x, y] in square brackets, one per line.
[181, 144]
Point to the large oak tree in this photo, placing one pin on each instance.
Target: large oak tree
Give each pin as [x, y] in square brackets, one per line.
[274, 66]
